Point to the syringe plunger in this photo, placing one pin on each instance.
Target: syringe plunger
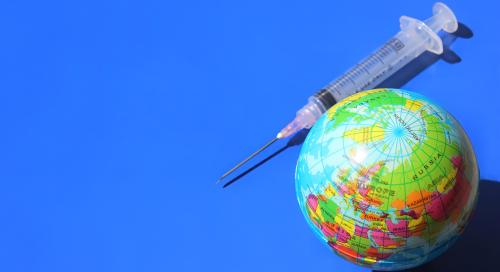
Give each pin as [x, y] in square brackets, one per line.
[414, 38]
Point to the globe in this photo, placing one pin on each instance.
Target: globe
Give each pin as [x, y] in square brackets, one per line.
[387, 179]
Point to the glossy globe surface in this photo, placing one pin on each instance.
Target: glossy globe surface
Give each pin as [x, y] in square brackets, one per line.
[387, 179]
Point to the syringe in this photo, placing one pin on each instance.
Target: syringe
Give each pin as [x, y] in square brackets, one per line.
[414, 38]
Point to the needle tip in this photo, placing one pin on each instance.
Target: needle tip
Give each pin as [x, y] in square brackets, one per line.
[248, 158]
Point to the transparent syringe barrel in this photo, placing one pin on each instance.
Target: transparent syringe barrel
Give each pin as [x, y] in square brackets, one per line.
[374, 69]
[414, 38]
[397, 52]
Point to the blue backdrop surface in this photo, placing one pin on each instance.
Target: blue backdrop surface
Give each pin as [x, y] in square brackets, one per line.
[117, 117]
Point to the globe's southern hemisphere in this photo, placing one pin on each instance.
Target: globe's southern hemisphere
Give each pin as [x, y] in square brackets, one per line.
[387, 179]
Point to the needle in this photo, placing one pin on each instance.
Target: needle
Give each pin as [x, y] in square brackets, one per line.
[248, 158]
[297, 139]
[405, 46]
[255, 166]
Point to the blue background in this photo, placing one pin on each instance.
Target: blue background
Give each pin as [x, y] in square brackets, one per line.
[117, 117]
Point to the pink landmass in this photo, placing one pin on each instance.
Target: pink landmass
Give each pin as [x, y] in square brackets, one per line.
[399, 229]
[382, 238]
[344, 189]
[450, 204]
[312, 201]
[457, 161]
[364, 191]
[342, 235]
[435, 207]
[360, 231]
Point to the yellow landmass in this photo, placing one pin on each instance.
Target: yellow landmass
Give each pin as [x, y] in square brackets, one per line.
[365, 134]
[413, 105]
[369, 259]
[319, 214]
[417, 225]
[329, 191]
[315, 214]
[345, 224]
[446, 183]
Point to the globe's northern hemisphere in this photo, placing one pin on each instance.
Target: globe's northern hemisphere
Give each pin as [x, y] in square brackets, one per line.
[387, 179]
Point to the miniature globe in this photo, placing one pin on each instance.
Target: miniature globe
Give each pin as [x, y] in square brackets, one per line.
[387, 179]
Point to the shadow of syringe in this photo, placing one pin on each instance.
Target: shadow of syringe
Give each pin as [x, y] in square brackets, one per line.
[397, 80]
